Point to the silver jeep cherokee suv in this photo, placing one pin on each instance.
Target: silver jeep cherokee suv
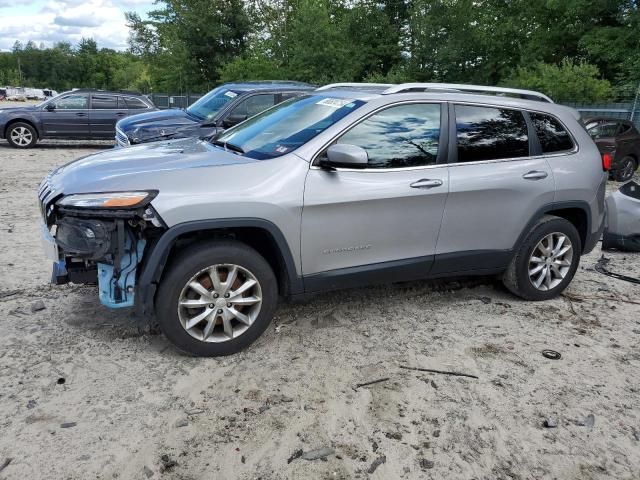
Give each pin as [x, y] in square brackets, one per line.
[352, 184]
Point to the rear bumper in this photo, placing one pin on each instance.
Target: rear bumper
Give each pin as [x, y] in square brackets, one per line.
[592, 238]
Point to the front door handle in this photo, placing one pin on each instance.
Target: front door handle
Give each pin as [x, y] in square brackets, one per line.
[426, 183]
[120, 114]
[80, 114]
[535, 175]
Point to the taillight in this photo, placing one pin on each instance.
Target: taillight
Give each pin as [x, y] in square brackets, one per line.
[606, 161]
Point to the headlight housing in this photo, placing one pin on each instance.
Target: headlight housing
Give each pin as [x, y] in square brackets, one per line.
[113, 200]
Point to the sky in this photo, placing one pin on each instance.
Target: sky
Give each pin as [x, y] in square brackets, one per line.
[51, 21]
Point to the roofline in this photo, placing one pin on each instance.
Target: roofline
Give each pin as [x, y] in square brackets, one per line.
[443, 87]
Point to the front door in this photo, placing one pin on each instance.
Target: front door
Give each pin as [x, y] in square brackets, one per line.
[385, 218]
[69, 118]
[497, 183]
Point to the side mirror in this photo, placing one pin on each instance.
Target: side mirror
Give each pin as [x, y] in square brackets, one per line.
[50, 107]
[233, 119]
[345, 156]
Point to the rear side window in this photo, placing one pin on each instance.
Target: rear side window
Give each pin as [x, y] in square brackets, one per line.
[103, 102]
[135, 103]
[602, 130]
[402, 136]
[487, 133]
[552, 135]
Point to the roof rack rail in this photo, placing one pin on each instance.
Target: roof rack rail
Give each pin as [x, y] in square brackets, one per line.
[457, 87]
[354, 85]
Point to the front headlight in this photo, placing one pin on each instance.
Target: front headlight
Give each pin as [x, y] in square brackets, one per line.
[108, 200]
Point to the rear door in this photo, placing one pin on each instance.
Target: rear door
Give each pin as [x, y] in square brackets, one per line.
[69, 118]
[498, 181]
[385, 218]
[105, 111]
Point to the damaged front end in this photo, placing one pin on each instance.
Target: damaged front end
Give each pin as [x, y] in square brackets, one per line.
[99, 238]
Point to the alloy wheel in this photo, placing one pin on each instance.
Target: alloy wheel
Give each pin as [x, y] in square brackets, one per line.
[550, 261]
[219, 303]
[21, 136]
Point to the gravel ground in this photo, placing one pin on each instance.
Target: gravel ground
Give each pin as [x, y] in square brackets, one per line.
[91, 393]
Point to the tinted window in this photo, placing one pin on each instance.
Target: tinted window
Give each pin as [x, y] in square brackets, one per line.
[207, 107]
[602, 130]
[402, 136]
[254, 105]
[287, 95]
[135, 103]
[486, 133]
[72, 102]
[552, 135]
[102, 102]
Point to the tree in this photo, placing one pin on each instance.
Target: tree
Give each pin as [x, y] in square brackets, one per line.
[567, 82]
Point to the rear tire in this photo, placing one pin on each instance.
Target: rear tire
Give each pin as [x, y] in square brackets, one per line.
[230, 321]
[21, 135]
[627, 169]
[543, 266]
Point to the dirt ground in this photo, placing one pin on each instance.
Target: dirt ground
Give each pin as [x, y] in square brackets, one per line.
[90, 393]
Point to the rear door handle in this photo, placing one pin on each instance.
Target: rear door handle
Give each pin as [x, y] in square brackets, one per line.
[120, 114]
[426, 183]
[80, 114]
[535, 175]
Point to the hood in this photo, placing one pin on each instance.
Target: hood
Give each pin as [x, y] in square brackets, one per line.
[136, 167]
[158, 125]
[29, 108]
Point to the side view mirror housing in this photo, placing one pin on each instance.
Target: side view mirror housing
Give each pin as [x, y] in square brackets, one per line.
[50, 107]
[345, 156]
[233, 119]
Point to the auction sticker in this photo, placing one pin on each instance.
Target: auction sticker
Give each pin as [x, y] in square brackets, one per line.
[231, 94]
[334, 102]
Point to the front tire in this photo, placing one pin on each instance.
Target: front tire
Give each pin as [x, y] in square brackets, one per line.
[546, 261]
[216, 298]
[21, 135]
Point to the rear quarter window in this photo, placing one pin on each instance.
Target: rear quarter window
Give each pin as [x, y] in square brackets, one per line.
[135, 103]
[551, 133]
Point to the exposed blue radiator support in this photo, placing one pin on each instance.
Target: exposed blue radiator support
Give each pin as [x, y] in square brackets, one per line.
[119, 292]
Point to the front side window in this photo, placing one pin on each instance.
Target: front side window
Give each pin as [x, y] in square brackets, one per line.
[103, 102]
[401, 136]
[207, 107]
[254, 105]
[487, 133]
[72, 102]
[552, 135]
[286, 126]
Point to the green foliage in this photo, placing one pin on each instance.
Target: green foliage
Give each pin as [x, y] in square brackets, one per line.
[571, 49]
[63, 67]
[567, 82]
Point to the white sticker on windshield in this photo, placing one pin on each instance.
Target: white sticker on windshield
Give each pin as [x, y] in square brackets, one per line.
[334, 102]
[231, 94]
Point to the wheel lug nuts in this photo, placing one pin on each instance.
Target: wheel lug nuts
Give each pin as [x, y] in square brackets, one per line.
[228, 305]
[226, 295]
[211, 305]
[220, 311]
[215, 295]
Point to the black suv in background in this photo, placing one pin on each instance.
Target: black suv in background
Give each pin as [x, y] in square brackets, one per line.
[621, 140]
[221, 108]
[81, 114]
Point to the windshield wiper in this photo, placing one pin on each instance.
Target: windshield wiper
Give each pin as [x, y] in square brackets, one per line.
[228, 146]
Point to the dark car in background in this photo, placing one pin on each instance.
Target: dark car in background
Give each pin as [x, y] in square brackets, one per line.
[620, 140]
[221, 108]
[78, 115]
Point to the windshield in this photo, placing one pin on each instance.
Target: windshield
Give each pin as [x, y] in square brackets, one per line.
[287, 126]
[208, 106]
